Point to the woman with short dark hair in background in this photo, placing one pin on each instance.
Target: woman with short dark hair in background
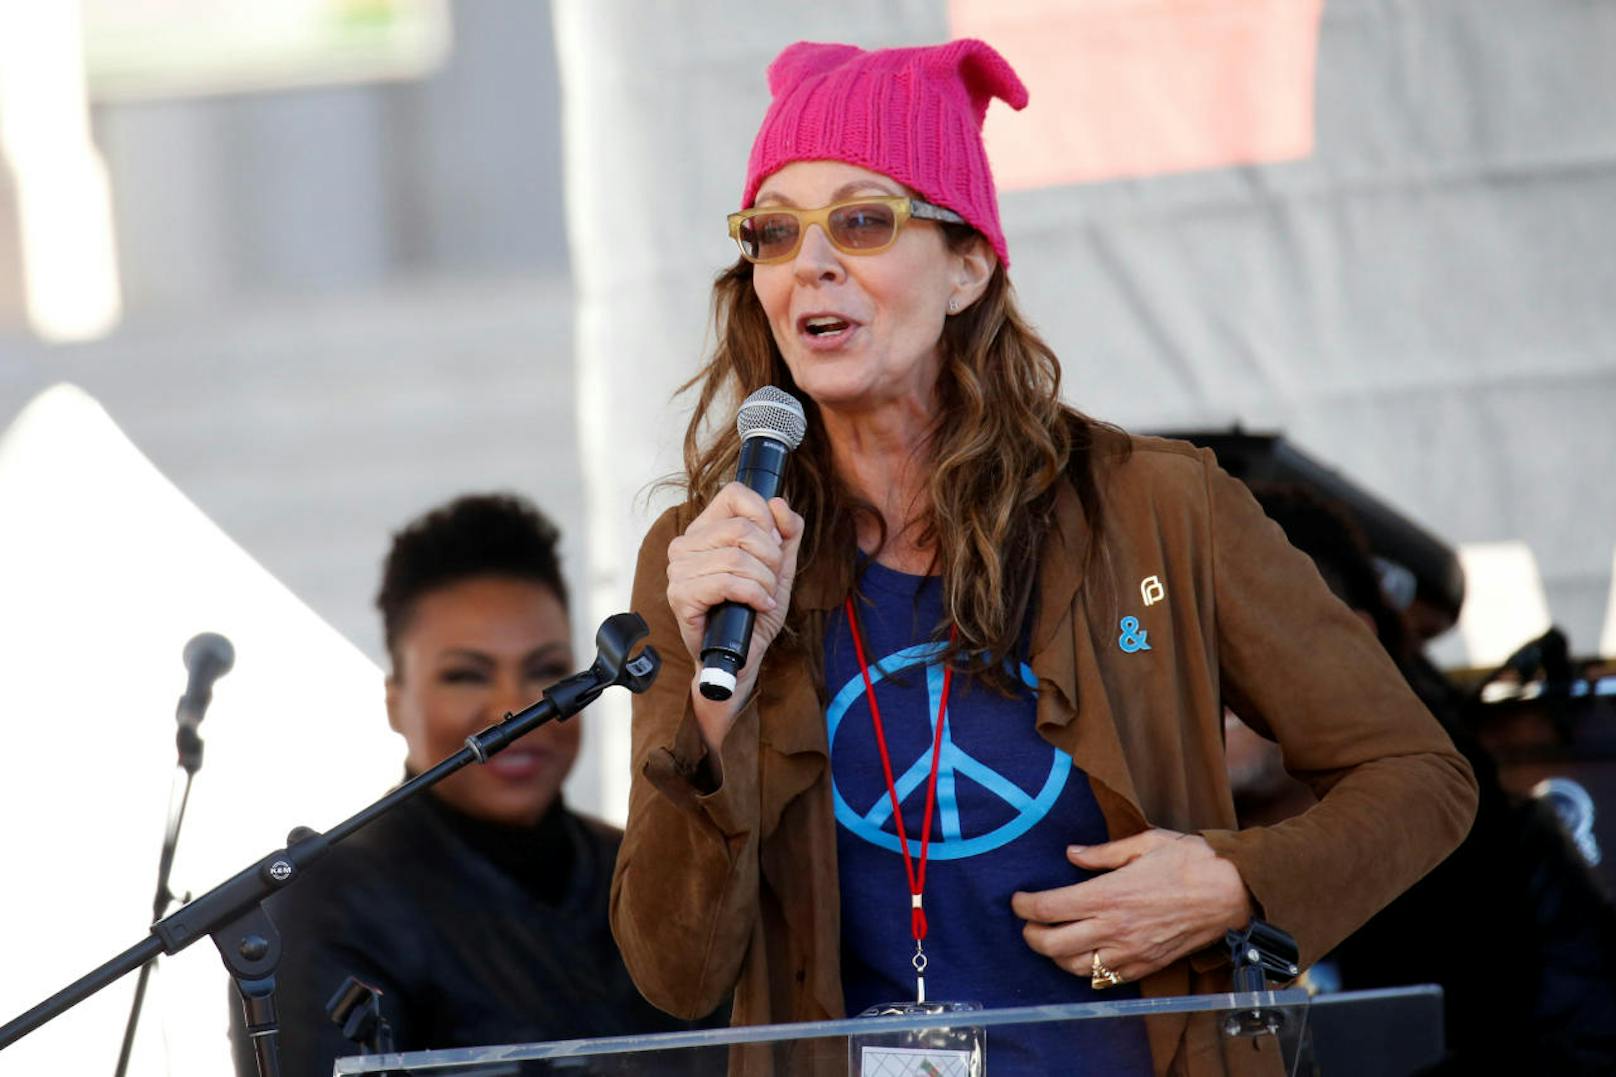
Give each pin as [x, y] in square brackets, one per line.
[478, 908]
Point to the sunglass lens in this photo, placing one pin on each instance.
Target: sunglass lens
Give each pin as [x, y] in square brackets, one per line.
[863, 226]
[768, 236]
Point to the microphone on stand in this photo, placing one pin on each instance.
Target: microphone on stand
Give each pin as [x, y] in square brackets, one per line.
[232, 913]
[771, 423]
[208, 656]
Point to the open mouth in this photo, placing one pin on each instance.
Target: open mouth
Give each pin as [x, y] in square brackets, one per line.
[516, 763]
[824, 325]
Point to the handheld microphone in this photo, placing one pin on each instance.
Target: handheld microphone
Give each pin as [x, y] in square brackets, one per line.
[771, 424]
[208, 656]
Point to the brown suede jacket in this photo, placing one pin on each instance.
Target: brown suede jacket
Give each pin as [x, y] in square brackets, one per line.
[734, 892]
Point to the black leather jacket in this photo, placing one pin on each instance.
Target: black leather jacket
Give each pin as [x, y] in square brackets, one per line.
[476, 934]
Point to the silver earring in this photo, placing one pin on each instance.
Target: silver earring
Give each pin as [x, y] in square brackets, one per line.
[953, 306]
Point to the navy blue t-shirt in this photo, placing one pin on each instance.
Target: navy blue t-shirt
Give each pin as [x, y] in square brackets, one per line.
[1008, 804]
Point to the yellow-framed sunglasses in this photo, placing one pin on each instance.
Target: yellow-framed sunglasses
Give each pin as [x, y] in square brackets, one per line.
[861, 226]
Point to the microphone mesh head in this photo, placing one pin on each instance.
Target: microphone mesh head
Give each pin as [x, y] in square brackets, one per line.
[209, 648]
[772, 412]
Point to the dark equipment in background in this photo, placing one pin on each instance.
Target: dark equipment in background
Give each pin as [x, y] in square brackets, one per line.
[1540, 732]
[1549, 720]
[1423, 573]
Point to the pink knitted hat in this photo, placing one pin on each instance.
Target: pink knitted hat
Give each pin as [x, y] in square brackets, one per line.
[914, 115]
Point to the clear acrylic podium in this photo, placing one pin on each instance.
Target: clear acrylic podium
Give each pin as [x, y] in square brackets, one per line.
[1265, 1033]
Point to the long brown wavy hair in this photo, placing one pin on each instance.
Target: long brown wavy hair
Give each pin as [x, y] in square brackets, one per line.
[1001, 442]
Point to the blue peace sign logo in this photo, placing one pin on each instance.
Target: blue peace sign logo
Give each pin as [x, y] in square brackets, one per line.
[949, 841]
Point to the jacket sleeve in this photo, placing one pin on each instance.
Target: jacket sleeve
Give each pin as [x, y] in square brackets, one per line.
[684, 893]
[1395, 796]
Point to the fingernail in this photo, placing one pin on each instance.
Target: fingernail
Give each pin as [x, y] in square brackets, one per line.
[777, 536]
[770, 600]
[1074, 850]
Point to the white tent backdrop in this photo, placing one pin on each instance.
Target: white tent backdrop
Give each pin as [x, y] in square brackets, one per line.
[106, 571]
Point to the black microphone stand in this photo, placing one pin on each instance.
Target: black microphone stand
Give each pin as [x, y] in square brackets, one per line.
[232, 914]
[188, 741]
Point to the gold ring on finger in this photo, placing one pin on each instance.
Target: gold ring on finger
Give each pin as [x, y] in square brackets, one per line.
[1101, 977]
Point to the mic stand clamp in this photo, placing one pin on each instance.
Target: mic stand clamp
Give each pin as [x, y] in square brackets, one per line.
[356, 1008]
[232, 913]
[251, 949]
[1260, 952]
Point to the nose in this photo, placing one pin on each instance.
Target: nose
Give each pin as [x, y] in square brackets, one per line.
[510, 696]
[817, 259]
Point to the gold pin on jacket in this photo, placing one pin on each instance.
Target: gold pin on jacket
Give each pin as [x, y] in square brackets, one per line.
[1151, 590]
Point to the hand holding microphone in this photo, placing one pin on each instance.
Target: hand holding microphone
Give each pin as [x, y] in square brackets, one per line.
[730, 573]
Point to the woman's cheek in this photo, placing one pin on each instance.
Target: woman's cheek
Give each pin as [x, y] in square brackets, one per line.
[459, 704]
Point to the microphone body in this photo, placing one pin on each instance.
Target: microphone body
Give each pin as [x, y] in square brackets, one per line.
[772, 424]
[208, 657]
[729, 624]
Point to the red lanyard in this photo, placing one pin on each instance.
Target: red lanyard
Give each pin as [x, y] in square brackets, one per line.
[917, 879]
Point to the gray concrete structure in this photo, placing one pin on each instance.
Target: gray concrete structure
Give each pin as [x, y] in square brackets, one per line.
[342, 304]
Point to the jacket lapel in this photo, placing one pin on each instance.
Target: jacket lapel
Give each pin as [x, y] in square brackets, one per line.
[1068, 671]
[1069, 677]
[795, 760]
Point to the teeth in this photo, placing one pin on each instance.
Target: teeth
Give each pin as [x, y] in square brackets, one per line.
[824, 324]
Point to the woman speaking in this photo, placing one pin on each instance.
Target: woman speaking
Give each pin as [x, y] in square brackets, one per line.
[976, 751]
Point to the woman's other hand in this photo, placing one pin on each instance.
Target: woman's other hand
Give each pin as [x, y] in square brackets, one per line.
[740, 549]
[1161, 896]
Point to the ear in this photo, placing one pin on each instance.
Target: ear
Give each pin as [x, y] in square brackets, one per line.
[394, 689]
[799, 62]
[976, 265]
[983, 72]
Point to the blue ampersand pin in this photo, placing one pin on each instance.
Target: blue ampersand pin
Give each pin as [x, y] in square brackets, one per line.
[1133, 639]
